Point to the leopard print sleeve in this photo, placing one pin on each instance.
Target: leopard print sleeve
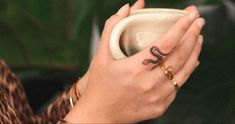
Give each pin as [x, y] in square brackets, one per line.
[14, 106]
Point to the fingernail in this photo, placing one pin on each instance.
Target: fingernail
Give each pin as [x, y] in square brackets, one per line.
[193, 15]
[201, 39]
[201, 22]
[123, 9]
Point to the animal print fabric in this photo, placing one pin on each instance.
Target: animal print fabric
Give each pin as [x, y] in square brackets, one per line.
[14, 106]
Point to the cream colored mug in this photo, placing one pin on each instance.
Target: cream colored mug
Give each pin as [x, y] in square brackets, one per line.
[140, 29]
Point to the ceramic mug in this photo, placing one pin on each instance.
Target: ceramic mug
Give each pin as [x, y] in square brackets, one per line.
[140, 29]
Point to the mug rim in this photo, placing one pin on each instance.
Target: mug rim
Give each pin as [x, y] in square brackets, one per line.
[155, 10]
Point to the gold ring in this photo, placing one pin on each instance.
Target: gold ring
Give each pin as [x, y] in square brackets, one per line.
[174, 82]
[168, 72]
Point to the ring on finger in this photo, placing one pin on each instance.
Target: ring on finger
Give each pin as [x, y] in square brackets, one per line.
[168, 72]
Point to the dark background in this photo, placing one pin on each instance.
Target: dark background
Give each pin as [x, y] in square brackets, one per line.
[47, 43]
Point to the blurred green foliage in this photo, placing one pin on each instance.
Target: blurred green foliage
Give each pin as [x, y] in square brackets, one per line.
[46, 32]
[52, 32]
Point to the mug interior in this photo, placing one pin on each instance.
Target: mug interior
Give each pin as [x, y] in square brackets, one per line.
[147, 28]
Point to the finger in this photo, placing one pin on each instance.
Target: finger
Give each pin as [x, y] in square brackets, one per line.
[188, 68]
[170, 99]
[190, 8]
[168, 42]
[190, 65]
[139, 4]
[177, 59]
[109, 25]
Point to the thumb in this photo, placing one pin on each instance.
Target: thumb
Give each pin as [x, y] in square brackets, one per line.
[103, 49]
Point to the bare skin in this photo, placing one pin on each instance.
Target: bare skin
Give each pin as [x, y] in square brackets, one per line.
[127, 91]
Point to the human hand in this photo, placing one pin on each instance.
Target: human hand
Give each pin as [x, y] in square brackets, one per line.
[129, 91]
[82, 82]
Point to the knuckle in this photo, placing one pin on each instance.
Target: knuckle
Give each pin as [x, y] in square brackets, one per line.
[145, 87]
[186, 75]
[198, 49]
[194, 32]
[134, 72]
[184, 27]
[160, 110]
[131, 76]
[181, 58]
[155, 99]
[167, 46]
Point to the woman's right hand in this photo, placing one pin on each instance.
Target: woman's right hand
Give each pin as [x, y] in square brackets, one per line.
[128, 91]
